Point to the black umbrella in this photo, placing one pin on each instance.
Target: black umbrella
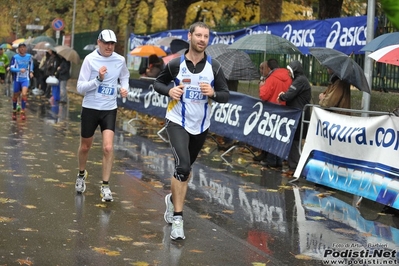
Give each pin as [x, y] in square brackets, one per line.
[178, 45]
[342, 65]
[236, 64]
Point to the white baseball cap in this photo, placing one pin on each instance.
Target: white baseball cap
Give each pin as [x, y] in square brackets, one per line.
[107, 36]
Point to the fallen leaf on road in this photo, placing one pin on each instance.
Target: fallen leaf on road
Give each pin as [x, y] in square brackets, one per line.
[303, 257]
[323, 195]
[61, 185]
[205, 216]
[106, 251]
[345, 231]
[148, 236]
[25, 262]
[7, 200]
[28, 230]
[250, 190]
[6, 219]
[51, 180]
[196, 251]
[318, 218]
[30, 206]
[121, 238]
[139, 263]
[139, 244]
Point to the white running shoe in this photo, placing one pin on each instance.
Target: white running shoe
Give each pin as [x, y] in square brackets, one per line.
[106, 194]
[168, 216]
[177, 228]
[80, 185]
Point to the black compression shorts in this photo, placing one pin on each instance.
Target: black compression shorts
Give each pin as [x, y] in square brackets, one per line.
[185, 146]
[91, 119]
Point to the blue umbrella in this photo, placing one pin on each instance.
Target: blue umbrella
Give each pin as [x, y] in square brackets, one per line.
[6, 46]
[381, 41]
[9, 54]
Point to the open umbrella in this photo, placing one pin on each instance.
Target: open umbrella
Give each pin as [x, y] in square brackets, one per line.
[167, 58]
[9, 54]
[147, 50]
[17, 41]
[90, 47]
[236, 64]
[166, 41]
[38, 39]
[29, 40]
[68, 53]
[267, 43]
[217, 49]
[42, 46]
[342, 65]
[382, 41]
[177, 45]
[388, 55]
[6, 46]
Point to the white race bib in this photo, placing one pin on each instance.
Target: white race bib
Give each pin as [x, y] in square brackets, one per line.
[106, 91]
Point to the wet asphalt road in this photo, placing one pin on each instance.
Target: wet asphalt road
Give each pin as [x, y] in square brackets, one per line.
[237, 213]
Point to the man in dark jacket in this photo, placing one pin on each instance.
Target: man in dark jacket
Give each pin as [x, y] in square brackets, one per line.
[63, 75]
[298, 95]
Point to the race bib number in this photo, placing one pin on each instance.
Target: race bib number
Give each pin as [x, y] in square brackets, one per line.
[194, 94]
[107, 91]
[23, 75]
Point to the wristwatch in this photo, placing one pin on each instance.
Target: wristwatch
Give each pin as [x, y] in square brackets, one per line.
[214, 94]
[98, 78]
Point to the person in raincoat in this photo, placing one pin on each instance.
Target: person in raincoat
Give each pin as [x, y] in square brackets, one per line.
[275, 80]
[298, 95]
[4, 62]
[337, 94]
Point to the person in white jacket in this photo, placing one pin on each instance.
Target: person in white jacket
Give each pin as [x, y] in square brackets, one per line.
[100, 75]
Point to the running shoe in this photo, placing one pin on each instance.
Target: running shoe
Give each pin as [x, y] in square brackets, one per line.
[106, 194]
[14, 116]
[168, 216]
[23, 117]
[177, 228]
[80, 185]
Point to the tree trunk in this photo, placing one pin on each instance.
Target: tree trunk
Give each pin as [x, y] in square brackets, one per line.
[177, 10]
[149, 21]
[330, 8]
[270, 10]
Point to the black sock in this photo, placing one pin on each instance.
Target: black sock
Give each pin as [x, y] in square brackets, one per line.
[178, 214]
[105, 183]
[82, 173]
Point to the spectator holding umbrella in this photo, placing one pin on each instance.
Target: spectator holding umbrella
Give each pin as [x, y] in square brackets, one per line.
[63, 74]
[337, 94]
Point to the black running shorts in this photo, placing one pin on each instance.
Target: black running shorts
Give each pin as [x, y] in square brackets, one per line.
[90, 119]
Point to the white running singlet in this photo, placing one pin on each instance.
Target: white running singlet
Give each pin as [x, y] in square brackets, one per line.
[193, 110]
